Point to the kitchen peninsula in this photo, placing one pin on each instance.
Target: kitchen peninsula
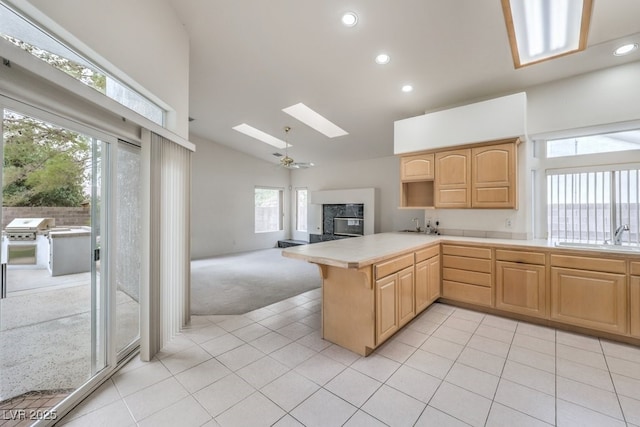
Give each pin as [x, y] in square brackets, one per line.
[375, 284]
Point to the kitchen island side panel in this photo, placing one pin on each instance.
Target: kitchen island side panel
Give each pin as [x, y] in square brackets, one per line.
[348, 308]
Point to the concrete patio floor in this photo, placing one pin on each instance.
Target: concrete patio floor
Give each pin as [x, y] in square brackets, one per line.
[45, 330]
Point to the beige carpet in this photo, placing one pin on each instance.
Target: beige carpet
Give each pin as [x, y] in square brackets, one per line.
[239, 283]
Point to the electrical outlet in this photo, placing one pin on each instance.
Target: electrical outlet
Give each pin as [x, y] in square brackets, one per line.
[508, 223]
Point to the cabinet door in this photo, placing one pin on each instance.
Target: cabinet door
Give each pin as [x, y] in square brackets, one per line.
[427, 282]
[634, 305]
[418, 167]
[386, 307]
[406, 296]
[422, 285]
[520, 288]
[433, 282]
[590, 299]
[493, 183]
[453, 179]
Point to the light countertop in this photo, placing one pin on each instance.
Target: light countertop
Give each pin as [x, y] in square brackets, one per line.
[362, 251]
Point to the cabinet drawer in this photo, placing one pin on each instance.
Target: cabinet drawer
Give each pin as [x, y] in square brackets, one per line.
[635, 268]
[520, 256]
[427, 253]
[586, 263]
[463, 263]
[467, 251]
[466, 293]
[393, 265]
[464, 276]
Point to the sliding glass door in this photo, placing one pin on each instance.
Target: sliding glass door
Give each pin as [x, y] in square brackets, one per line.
[57, 292]
[128, 241]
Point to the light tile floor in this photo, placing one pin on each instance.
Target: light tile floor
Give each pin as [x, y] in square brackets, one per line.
[448, 367]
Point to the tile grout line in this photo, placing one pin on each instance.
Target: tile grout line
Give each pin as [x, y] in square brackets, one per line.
[613, 383]
[506, 358]
[449, 370]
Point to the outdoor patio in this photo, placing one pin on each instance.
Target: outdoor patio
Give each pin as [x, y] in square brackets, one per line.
[50, 319]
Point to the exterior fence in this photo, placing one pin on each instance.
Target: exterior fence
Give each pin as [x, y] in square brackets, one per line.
[64, 216]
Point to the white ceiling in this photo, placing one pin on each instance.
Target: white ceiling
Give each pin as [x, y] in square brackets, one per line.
[252, 58]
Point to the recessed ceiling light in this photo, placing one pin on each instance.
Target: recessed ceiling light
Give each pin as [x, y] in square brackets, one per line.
[350, 19]
[626, 49]
[260, 136]
[407, 88]
[382, 59]
[314, 120]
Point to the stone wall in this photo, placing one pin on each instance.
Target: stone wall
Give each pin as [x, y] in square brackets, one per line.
[64, 216]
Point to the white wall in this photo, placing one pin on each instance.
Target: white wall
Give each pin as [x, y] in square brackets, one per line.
[586, 101]
[141, 42]
[222, 207]
[383, 174]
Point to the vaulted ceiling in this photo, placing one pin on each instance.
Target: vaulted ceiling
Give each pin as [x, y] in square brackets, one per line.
[252, 58]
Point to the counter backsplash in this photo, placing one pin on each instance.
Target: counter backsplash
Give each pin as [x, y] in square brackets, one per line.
[487, 234]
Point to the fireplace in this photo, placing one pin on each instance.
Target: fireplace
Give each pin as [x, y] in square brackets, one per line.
[345, 219]
[355, 206]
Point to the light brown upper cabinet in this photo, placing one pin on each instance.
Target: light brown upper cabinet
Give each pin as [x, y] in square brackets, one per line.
[480, 176]
[416, 181]
[452, 185]
[418, 167]
[493, 182]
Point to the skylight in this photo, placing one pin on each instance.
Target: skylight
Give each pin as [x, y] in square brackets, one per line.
[314, 120]
[260, 135]
[543, 29]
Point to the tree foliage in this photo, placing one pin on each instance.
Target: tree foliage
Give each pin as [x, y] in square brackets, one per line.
[86, 75]
[44, 165]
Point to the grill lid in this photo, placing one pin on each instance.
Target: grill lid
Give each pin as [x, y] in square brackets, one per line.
[30, 224]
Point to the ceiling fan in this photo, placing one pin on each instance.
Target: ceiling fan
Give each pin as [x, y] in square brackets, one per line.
[288, 162]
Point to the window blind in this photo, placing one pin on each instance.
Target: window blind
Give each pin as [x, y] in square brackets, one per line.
[166, 288]
[588, 206]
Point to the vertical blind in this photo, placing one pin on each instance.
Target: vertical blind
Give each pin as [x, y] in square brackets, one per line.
[589, 206]
[168, 282]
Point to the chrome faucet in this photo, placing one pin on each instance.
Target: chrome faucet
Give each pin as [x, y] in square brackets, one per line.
[617, 235]
[417, 224]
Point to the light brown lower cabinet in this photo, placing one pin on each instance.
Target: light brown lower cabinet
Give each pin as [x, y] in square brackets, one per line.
[394, 302]
[467, 274]
[427, 277]
[386, 307]
[634, 306]
[521, 288]
[590, 299]
[406, 296]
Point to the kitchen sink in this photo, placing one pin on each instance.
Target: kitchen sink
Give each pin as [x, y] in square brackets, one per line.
[599, 246]
[411, 231]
